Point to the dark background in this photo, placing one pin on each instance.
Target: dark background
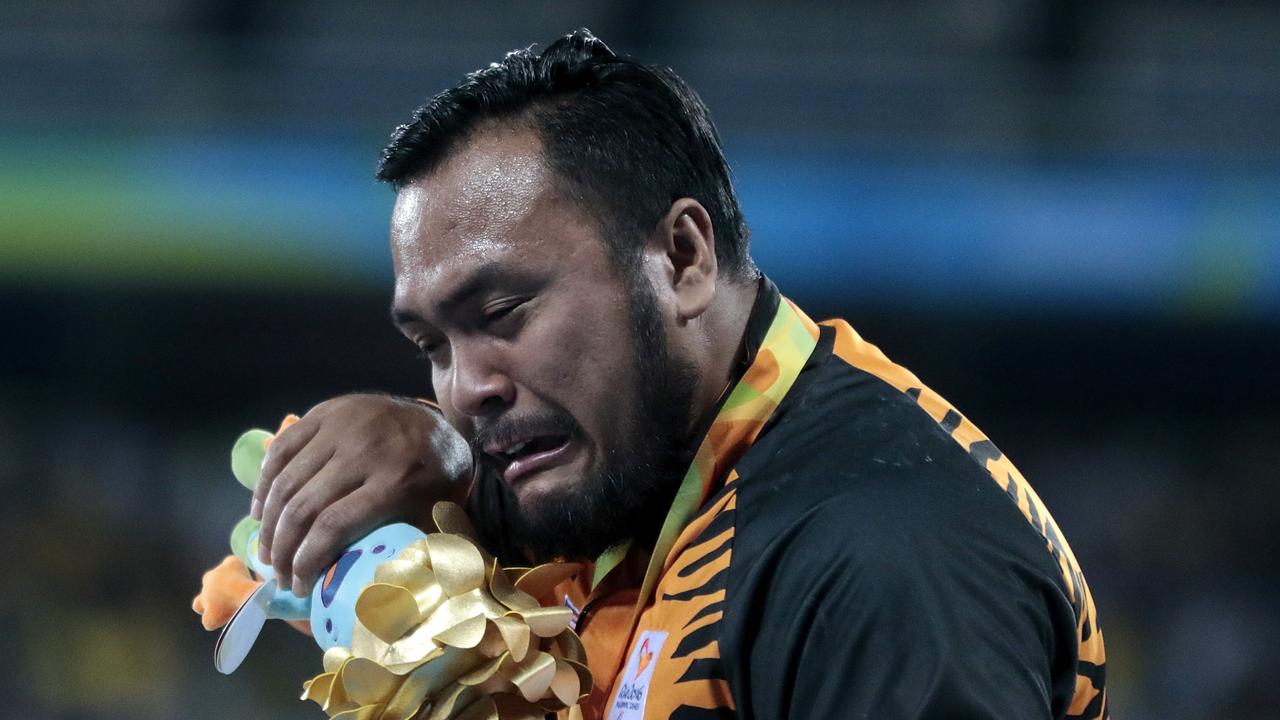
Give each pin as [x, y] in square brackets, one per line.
[1063, 216]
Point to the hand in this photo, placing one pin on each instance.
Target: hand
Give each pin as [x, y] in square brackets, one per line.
[349, 465]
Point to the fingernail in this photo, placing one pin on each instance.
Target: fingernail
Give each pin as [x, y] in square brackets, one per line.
[298, 589]
[255, 509]
[264, 553]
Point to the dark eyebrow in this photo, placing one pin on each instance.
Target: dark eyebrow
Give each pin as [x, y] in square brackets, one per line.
[480, 280]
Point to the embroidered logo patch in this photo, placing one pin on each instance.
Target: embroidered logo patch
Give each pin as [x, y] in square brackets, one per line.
[634, 690]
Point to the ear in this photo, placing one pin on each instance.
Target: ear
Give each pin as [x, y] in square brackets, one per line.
[687, 243]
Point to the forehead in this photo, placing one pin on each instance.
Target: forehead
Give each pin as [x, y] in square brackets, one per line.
[477, 196]
[492, 201]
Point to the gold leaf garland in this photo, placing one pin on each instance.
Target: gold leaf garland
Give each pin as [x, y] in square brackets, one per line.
[444, 631]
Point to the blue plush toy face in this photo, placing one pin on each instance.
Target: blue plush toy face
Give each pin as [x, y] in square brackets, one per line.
[334, 598]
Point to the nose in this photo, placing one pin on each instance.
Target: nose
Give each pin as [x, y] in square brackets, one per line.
[478, 385]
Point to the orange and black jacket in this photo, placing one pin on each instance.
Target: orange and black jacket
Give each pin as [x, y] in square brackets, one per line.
[869, 553]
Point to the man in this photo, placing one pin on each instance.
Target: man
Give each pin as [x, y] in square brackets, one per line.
[780, 521]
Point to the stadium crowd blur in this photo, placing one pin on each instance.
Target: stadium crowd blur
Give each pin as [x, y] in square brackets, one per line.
[1064, 216]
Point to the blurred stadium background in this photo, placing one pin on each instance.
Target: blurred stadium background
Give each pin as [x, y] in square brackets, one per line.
[1064, 216]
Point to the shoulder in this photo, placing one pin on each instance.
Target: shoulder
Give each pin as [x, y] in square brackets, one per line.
[851, 444]
[849, 457]
[864, 529]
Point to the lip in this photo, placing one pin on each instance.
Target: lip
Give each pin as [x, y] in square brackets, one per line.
[523, 468]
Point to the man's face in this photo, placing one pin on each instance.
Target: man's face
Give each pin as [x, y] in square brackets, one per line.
[549, 358]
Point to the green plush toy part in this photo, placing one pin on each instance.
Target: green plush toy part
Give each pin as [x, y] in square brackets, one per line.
[247, 456]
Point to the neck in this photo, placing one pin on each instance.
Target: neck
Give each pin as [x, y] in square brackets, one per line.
[725, 326]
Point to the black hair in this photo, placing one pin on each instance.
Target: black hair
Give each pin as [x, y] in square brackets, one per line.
[627, 139]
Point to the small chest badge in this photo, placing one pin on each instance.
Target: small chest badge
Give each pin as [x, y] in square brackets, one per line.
[629, 703]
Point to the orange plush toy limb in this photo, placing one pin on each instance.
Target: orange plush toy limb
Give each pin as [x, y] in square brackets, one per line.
[222, 591]
[288, 420]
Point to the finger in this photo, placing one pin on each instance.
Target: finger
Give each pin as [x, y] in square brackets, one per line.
[327, 487]
[304, 466]
[284, 446]
[336, 527]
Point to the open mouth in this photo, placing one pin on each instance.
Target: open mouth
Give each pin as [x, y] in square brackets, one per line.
[525, 457]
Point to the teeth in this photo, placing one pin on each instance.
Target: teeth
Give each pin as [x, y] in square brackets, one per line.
[514, 449]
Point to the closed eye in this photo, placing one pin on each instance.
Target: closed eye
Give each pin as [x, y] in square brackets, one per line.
[428, 348]
[501, 311]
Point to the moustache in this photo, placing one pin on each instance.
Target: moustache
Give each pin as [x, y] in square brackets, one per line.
[507, 430]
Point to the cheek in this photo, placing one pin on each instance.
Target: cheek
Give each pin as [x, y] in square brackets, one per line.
[586, 364]
[563, 355]
[437, 380]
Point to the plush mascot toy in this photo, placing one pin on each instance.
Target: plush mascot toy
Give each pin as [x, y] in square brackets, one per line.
[412, 624]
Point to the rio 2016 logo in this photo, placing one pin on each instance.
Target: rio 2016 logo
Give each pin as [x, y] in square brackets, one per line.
[646, 657]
